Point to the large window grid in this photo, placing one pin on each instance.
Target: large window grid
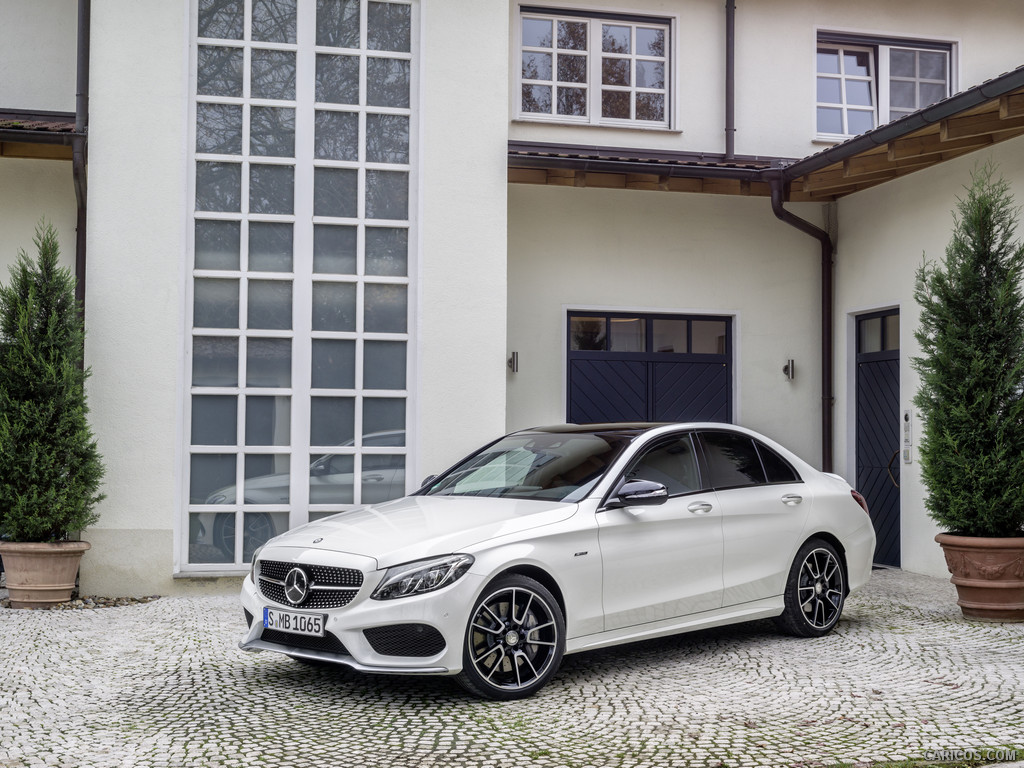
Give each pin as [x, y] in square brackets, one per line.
[300, 292]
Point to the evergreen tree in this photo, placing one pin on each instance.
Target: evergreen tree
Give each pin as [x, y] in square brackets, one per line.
[971, 396]
[50, 469]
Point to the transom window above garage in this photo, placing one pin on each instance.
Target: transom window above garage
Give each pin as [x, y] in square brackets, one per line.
[590, 69]
[652, 334]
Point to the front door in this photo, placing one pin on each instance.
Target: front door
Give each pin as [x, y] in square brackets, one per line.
[878, 428]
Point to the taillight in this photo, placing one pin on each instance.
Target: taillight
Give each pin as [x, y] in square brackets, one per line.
[859, 498]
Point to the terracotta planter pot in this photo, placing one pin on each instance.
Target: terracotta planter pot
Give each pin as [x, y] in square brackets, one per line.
[988, 574]
[40, 575]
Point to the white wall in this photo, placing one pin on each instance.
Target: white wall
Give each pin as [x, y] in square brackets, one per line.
[883, 235]
[670, 252]
[31, 191]
[38, 54]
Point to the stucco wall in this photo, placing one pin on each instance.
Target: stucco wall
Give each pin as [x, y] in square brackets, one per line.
[31, 191]
[37, 54]
[883, 235]
[668, 252]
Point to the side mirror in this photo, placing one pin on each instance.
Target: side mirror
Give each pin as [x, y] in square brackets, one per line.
[639, 493]
[428, 480]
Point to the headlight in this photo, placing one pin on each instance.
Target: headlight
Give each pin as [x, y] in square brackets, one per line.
[252, 566]
[422, 576]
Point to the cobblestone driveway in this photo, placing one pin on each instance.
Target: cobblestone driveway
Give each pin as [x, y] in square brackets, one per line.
[163, 684]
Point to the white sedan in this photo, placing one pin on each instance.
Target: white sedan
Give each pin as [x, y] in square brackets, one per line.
[563, 539]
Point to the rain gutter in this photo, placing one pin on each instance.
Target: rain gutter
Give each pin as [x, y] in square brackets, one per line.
[79, 149]
[730, 79]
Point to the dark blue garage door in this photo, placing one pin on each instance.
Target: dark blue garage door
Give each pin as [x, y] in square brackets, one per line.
[649, 367]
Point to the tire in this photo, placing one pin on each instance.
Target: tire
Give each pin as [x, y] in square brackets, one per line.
[514, 640]
[815, 591]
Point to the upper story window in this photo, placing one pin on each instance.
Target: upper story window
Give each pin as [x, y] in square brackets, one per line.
[610, 70]
[863, 82]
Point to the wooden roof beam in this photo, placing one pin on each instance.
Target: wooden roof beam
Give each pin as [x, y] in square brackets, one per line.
[921, 146]
[953, 128]
[1011, 105]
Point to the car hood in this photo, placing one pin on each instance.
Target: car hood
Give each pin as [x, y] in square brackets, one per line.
[417, 527]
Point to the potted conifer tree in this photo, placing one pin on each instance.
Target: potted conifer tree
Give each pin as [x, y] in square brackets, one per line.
[971, 399]
[50, 469]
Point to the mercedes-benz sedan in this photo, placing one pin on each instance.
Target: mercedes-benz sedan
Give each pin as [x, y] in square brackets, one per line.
[563, 539]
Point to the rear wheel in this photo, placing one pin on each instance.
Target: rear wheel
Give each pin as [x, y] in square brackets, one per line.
[514, 641]
[815, 591]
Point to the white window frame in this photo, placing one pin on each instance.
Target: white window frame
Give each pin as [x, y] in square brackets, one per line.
[595, 56]
[879, 49]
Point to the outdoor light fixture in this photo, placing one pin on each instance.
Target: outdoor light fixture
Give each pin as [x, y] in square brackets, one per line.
[789, 370]
[513, 362]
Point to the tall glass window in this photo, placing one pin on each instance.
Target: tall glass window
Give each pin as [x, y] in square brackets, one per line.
[300, 295]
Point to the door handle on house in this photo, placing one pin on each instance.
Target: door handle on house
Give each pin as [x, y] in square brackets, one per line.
[791, 499]
[699, 508]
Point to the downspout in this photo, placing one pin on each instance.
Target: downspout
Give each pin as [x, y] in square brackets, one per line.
[79, 147]
[730, 80]
[827, 312]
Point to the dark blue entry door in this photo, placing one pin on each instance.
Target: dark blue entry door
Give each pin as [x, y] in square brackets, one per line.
[878, 429]
[648, 368]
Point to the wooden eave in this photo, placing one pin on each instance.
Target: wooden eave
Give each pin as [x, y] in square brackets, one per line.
[37, 135]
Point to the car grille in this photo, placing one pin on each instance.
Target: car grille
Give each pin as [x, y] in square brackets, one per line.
[328, 643]
[405, 640]
[329, 587]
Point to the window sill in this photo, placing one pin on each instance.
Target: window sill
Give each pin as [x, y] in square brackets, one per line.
[593, 126]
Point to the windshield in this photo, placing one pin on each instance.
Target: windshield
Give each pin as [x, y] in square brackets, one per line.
[535, 465]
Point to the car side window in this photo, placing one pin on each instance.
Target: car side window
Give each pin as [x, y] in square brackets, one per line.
[671, 463]
[777, 469]
[732, 459]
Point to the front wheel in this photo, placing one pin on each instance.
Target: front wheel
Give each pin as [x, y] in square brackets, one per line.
[815, 591]
[514, 640]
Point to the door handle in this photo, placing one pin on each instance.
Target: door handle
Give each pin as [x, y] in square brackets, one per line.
[791, 499]
[699, 508]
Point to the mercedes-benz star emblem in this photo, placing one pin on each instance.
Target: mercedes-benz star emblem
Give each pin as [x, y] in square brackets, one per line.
[296, 586]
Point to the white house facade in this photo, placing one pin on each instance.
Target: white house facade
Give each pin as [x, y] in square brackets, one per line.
[328, 247]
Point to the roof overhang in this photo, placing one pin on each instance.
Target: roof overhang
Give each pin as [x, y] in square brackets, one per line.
[973, 119]
[47, 135]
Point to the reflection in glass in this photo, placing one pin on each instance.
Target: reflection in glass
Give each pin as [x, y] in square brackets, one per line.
[332, 420]
[384, 364]
[260, 527]
[387, 82]
[932, 65]
[273, 75]
[572, 101]
[931, 92]
[384, 482]
[650, 106]
[537, 33]
[902, 94]
[615, 104]
[387, 194]
[572, 69]
[270, 479]
[650, 42]
[386, 309]
[270, 246]
[272, 131]
[572, 35]
[537, 98]
[221, 19]
[214, 361]
[336, 136]
[892, 332]
[388, 27]
[334, 306]
[215, 303]
[387, 138]
[334, 364]
[219, 129]
[334, 249]
[335, 192]
[828, 61]
[858, 92]
[268, 420]
[337, 79]
[218, 186]
[669, 336]
[383, 414]
[857, 63]
[387, 251]
[902, 63]
[214, 420]
[219, 71]
[587, 334]
[829, 90]
[536, 66]
[650, 74]
[615, 39]
[217, 244]
[830, 120]
[210, 472]
[273, 21]
[330, 481]
[708, 337]
[268, 363]
[271, 189]
[871, 335]
[628, 334]
[615, 71]
[270, 304]
[337, 23]
[203, 545]
[859, 121]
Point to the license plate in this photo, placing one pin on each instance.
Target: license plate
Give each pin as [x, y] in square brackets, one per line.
[311, 624]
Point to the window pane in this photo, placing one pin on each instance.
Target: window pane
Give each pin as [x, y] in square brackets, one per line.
[383, 478]
[537, 99]
[268, 421]
[214, 420]
[218, 187]
[587, 334]
[337, 23]
[387, 82]
[387, 251]
[211, 537]
[859, 121]
[219, 71]
[219, 129]
[383, 414]
[828, 61]
[335, 192]
[615, 39]
[870, 335]
[221, 18]
[572, 69]
[269, 363]
[260, 527]
[332, 421]
[271, 189]
[830, 90]
[650, 106]
[708, 337]
[572, 35]
[272, 131]
[892, 332]
[615, 71]
[273, 21]
[214, 362]
[387, 195]
[933, 65]
[336, 136]
[830, 120]
[932, 92]
[628, 334]
[536, 66]
[386, 309]
[669, 336]
[334, 306]
[217, 244]
[270, 304]
[330, 479]
[337, 79]
[732, 460]
[858, 92]
[615, 104]
[387, 139]
[388, 27]
[334, 364]
[673, 465]
[572, 101]
[650, 42]
[857, 63]
[266, 480]
[273, 75]
[212, 472]
[270, 247]
[215, 303]
[334, 249]
[777, 469]
[902, 63]
[902, 94]
[384, 364]
[650, 74]
[537, 33]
